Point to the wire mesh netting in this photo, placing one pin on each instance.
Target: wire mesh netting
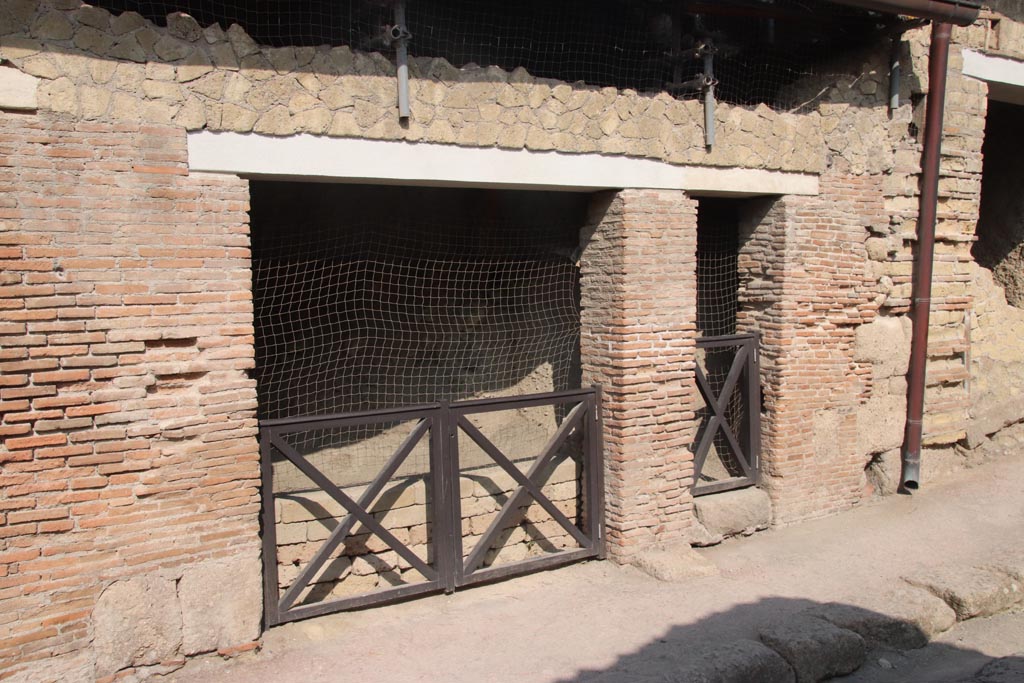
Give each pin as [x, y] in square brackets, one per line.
[372, 298]
[717, 305]
[717, 268]
[759, 46]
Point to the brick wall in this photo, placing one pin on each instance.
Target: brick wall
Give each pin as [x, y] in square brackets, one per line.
[638, 332]
[805, 287]
[128, 419]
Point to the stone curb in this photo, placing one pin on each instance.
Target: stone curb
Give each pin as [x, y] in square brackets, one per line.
[972, 591]
[833, 639]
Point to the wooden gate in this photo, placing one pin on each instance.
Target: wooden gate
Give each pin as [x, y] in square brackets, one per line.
[355, 527]
[728, 440]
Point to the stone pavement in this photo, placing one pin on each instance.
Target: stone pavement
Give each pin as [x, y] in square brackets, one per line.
[860, 592]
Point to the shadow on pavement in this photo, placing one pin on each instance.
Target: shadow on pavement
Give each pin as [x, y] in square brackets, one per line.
[784, 639]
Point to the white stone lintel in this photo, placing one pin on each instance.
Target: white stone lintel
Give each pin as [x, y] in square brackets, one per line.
[17, 89]
[325, 159]
[1005, 77]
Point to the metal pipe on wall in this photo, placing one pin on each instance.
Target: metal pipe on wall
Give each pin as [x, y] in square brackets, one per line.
[938, 60]
[895, 47]
[400, 34]
[959, 12]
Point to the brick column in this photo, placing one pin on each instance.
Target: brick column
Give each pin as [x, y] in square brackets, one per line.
[638, 333]
[129, 470]
[805, 286]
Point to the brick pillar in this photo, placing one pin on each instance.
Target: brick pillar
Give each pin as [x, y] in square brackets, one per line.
[804, 285]
[638, 333]
[129, 469]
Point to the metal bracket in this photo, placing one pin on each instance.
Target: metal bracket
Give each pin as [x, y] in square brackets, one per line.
[709, 95]
[400, 35]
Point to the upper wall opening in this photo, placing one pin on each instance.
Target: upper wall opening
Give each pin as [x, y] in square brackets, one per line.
[759, 46]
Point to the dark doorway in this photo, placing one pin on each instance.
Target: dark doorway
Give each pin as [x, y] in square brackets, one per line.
[1000, 245]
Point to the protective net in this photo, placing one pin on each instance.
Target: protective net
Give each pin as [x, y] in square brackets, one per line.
[759, 47]
[717, 269]
[369, 298]
[717, 305]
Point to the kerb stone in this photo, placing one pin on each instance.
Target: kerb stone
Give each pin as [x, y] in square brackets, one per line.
[740, 661]
[971, 591]
[905, 618]
[674, 563]
[1002, 670]
[734, 512]
[815, 648]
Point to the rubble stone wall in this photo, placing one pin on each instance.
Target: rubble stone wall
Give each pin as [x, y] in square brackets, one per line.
[95, 66]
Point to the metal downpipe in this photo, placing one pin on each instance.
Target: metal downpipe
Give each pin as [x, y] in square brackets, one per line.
[910, 456]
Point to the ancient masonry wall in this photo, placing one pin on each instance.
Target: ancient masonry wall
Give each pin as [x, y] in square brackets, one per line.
[129, 492]
[638, 341]
[952, 405]
[804, 287]
[992, 329]
[95, 66]
[129, 461]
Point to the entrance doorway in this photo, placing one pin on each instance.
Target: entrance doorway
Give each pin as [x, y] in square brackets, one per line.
[417, 363]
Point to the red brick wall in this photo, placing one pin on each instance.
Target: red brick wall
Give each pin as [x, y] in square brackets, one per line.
[805, 287]
[638, 332]
[128, 420]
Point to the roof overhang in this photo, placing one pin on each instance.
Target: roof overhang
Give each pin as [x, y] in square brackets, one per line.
[954, 12]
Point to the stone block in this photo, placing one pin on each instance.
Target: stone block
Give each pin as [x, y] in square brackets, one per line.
[288, 534]
[698, 536]
[52, 25]
[816, 649]
[96, 17]
[971, 591]
[904, 618]
[675, 563]
[171, 50]
[221, 603]
[17, 89]
[741, 661]
[353, 584]
[181, 25]
[886, 340]
[137, 622]
[472, 507]
[334, 570]
[880, 423]
[512, 552]
[126, 22]
[734, 512]
[403, 517]
[317, 530]
[195, 66]
[1002, 670]
[241, 42]
[91, 40]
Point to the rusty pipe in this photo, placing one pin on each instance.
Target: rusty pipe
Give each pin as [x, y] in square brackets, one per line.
[938, 59]
[961, 13]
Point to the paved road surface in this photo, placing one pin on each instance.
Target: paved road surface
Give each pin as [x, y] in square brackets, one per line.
[601, 623]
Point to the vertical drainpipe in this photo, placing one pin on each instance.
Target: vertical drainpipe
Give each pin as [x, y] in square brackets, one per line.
[937, 63]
